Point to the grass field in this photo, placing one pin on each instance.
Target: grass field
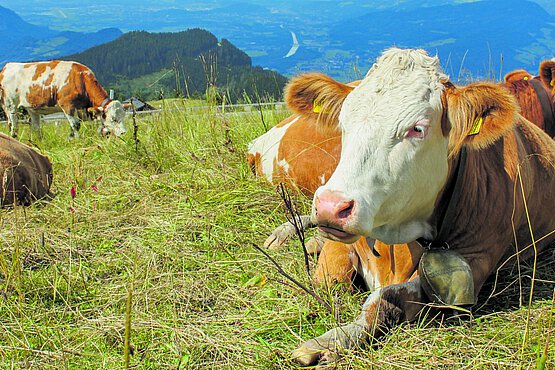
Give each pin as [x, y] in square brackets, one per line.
[159, 240]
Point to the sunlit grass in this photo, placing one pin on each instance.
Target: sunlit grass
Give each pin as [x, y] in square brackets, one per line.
[167, 231]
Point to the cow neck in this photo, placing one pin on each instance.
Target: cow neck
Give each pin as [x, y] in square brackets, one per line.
[547, 107]
[449, 198]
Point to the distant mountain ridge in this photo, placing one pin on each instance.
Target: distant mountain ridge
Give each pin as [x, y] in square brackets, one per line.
[22, 41]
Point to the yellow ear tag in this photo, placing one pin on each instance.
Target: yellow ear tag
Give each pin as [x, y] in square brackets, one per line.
[319, 108]
[476, 126]
[552, 83]
[525, 78]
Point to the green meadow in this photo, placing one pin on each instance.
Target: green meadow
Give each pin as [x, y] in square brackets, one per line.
[153, 265]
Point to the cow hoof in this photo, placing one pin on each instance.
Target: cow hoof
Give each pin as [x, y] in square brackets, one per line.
[280, 236]
[312, 353]
[314, 245]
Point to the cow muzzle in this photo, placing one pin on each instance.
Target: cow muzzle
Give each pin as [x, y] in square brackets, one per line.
[332, 212]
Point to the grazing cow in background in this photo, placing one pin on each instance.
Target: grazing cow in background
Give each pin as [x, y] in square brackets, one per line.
[25, 174]
[423, 159]
[58, 86]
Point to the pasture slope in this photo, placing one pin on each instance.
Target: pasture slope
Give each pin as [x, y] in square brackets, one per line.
[173, 224]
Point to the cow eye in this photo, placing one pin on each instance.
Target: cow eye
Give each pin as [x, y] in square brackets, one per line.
[418, 131]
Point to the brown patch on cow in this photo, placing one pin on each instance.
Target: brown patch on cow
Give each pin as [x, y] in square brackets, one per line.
[397, 263]
[517, 75]
[40, 96]
[255, 163]
[41, 68]
[308, 90]
[494, 104]
[389, 264]
[336, 264]
[310, 152]
[82, 90]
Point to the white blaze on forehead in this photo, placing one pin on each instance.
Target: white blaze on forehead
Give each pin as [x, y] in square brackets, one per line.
[393, 180]
[268, 145]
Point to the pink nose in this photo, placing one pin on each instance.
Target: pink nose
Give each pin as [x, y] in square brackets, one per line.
[333, 208]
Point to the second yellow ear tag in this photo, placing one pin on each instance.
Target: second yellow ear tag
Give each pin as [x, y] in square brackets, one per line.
[476, 126]
[317, 108]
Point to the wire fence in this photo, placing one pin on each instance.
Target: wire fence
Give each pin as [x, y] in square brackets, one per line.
[225, 109]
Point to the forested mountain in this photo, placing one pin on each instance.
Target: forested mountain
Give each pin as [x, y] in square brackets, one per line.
[150, 65]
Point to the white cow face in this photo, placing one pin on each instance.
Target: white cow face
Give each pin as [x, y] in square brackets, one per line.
[400, 127]
[394, 154]
[112, 119]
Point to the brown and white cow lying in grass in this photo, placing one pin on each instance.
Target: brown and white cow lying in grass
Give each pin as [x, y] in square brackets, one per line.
[25, 175]
[58, 86]
[404, 129]
[303, 152]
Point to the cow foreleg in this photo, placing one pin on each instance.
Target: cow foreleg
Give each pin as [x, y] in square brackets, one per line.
[12, 122]
[35, 122]
[384, 309]
[74, 122]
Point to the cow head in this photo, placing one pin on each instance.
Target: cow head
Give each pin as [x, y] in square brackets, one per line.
[517, 75]
[112, 116]
[547, 74]
[400, 127]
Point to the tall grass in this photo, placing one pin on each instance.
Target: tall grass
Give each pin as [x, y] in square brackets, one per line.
[153, 258]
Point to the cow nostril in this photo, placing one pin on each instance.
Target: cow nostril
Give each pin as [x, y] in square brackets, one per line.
[347, 210]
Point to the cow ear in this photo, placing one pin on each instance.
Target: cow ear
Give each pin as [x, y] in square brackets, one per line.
[479, 115]
[317, 95]
[519, 74]
[547, 74]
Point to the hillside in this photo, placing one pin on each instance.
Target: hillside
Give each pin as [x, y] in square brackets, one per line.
[21, 41]
[150, 65]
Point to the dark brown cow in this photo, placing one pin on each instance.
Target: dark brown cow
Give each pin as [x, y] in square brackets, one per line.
[25, 174]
